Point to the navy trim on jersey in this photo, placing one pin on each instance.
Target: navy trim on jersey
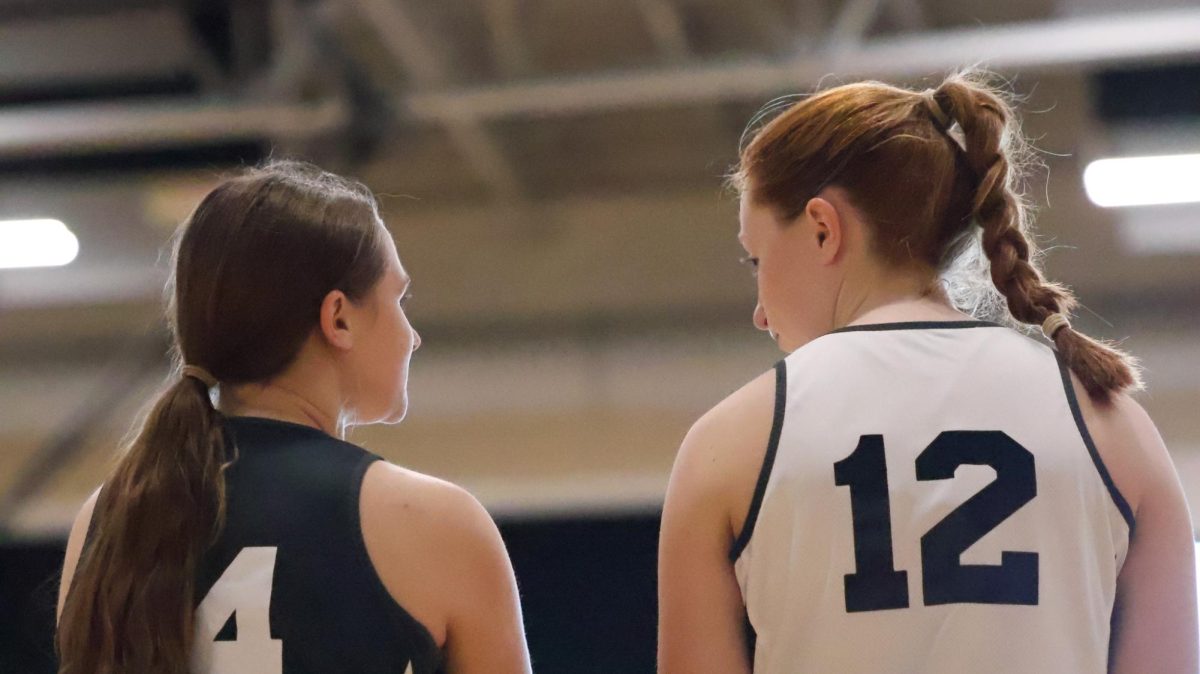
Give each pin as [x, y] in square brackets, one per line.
[1117, 498]
[768, 462]
[751, 636]
[277, 423]
[917, 325]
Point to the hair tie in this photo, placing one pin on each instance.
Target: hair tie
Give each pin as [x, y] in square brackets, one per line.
[1053, 323]
[199, 374]
[929, 97]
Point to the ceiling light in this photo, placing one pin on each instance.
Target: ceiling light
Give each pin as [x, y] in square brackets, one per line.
[1142, 181]
[36, 243]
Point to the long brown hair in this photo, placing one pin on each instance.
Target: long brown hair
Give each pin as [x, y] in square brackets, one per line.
[937, 176]
[251, 268]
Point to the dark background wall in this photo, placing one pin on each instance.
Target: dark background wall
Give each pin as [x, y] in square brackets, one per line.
[587, 588]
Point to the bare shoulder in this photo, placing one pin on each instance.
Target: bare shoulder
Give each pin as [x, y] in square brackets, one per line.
[1156, 588]
[423, 499]
[448, 519]
[1128, 443]
[79, 531]
[429, 541]
[722, 455]
[701, 610]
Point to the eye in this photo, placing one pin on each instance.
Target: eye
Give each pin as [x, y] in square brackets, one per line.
[405, 298]
[751, 262]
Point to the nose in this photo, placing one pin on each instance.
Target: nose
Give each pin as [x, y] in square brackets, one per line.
[760, 317]
[416, 340]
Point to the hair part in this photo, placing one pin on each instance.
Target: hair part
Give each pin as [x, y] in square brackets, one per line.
[252, 266]
[938, 177]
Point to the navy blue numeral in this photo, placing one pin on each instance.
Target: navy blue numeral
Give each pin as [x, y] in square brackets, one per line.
[945, 579]
[877, 585]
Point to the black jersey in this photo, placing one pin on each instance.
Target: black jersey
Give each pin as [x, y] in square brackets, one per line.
[288, 587]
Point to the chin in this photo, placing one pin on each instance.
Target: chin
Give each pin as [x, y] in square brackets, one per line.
[397, 414]
[790, 344]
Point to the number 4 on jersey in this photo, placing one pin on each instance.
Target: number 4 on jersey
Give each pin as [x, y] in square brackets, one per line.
[243, 590]
[877, 585]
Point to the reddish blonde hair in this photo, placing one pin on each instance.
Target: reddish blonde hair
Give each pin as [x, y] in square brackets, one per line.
[936, 175]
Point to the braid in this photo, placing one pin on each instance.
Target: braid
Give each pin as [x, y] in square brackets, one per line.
[988, 129]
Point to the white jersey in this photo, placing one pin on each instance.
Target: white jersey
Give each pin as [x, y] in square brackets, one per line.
[930, 503]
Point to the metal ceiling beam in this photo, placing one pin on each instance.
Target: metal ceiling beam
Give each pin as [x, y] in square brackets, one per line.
[852, 23]
[130, 44]
[909, 14]
[666, 28]
[486, 157]
[410, 50]
[293, 54]
[1043, 45]
[774, 31]
[1040, 45]
[404, 42]
[34, 131]
[504, 24]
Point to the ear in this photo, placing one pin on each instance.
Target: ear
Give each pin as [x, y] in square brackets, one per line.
[827, 232]
[335, 320]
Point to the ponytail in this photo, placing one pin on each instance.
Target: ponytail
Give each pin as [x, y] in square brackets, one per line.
[130, 606]
[241, 308]
[990, 134]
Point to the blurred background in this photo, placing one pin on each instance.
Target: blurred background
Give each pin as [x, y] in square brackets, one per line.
[552, 173]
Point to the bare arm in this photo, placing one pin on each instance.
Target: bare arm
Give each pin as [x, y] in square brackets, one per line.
[440, 556]
[1156, 631]
[74, 548]
[701, 613]
[484, 632]
[699, 602]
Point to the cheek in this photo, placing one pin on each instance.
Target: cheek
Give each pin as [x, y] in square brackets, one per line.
[389, 355]
[405, 338]
[775, 283]
[401, 345]
[787, 293]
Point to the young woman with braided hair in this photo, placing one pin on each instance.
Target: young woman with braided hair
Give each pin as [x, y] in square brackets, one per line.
[250, 538]
[913, 489]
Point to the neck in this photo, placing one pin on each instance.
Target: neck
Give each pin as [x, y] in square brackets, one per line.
[888, 297]
[283, 400]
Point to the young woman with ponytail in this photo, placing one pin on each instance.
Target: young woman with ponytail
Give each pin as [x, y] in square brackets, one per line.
[249, 538]
[914, 489]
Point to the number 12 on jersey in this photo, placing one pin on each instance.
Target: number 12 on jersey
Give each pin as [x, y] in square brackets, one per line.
[876, 584]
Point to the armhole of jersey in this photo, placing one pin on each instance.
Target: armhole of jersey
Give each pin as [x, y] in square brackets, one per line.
[91, 527]
[422, 632]
[751, 637]
[764, 474]
[1118, 499]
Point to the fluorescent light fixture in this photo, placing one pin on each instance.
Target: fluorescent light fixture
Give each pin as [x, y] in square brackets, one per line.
[36, 243]
[1142, 181]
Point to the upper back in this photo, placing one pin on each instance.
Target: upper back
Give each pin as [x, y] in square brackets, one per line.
[288, 586]
[930, 491]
